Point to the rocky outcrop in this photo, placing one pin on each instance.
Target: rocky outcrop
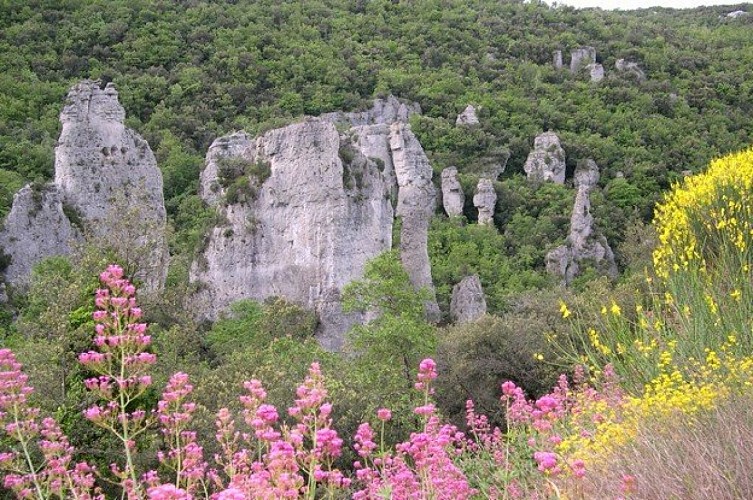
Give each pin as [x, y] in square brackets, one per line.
[219, 164]
[313, 211]
[737, 13]
[596, 71]
[107, 179]
[304, 207]
[468, 117]
[453, 197]
[467, 303]
[36, 228]
[630, 68]
[557, 59]
[485, 200]
[415, 206]
[581, 58]
[383, 111]
[546, 162]
[582, 243]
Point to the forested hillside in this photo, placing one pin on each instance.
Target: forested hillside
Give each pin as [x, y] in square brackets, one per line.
[188, 72]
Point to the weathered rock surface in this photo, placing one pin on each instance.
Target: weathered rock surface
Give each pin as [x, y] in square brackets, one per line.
[596, 71]
[581, 57]
[307, 226]
[468, 117]
[582, 243]
[415, 207]
[221, 154]
[467, 303]
[36, 228]
[546, 162]
[384, 111]
[737, 13]
[107, 176]
[630, 68]
[304, 231]
[453, 197]
[557, 59]
[484, 200]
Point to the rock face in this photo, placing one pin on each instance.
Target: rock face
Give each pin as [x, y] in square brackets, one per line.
[737, 13]
[582, 243]
[453, 197]
[557, 59]
[546, 162]
[596, 71]
[304, 208]
[468, 303]
[384, 111]
[484, 200]
[630, 68]
[105, 175]
[581, 57]
[36, 228]
[415, 206]
[468, 117]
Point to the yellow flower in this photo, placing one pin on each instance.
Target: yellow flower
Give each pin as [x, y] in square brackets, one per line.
[564, 310]
[615, 309]
[736, 294]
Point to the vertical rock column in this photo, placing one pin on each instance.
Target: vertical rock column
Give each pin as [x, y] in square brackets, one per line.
[415, 206]
[485, 200]
[108, 174]
[582, 243]
[453, 197]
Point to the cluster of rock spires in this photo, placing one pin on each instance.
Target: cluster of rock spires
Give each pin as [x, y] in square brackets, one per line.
[300, 209]
[105, 174]
[583, 59]
[321, 211]
[546, 162]
[582, 243]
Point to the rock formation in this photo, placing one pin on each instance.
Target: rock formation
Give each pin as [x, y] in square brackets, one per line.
[581, 57]
[453, 197]
[106, 178]
[484, 200]
[304, 207]
[546, 162]
[737, 13]
[596, 71]
[383, 111]
[557, 59]
[582, 244]
[468, 303]
[630, 68]
[468, 117]
[36, 228]
[415, 207]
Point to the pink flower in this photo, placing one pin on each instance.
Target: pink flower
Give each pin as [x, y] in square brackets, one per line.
[167, 492]
[546, 460]
[424, 410]
[508, 388]
[384, 414]
[231, 494]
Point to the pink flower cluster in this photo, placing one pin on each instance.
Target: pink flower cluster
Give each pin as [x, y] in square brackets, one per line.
[423, 466]
[57, 475]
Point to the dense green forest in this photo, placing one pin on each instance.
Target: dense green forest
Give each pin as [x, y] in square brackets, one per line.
[190, 71]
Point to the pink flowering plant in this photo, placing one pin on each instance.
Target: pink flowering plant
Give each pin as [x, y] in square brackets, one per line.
[266, 456]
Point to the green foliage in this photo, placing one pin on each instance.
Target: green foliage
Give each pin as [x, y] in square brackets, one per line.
[10, 182]
[457, 250]
[476, 357]
[388, 349]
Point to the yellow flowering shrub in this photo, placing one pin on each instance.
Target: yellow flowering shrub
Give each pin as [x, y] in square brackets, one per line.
[706, 215]
[675, 391]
